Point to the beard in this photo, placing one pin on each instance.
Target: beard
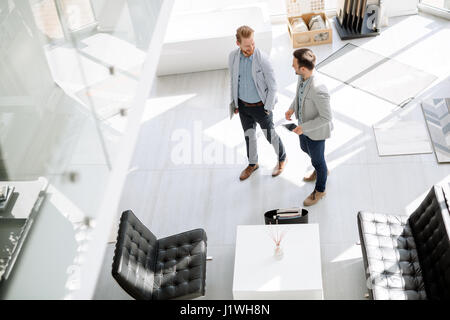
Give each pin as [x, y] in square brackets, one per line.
[248, 53]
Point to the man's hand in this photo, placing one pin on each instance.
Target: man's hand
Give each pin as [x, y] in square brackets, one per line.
[236, 111]
[288, 114]
[298, 130]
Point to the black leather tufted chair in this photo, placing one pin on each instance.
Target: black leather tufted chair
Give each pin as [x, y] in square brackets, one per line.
[408, 258]
[152, 269]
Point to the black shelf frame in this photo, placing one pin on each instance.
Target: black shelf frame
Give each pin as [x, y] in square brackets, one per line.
[349, 34]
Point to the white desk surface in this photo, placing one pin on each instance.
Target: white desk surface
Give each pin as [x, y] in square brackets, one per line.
[258, 275]
[27, 193]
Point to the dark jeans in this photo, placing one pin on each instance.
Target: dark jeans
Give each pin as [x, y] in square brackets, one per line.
[316, 151]
[249, 117]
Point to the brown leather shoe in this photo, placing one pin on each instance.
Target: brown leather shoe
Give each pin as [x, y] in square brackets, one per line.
[279, 168]
[313, 198]
[248, 172]
[313, 176]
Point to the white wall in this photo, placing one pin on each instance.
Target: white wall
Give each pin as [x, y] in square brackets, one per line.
[276, 7]
[396, 8]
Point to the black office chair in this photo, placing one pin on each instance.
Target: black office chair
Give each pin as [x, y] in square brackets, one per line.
[158, 269]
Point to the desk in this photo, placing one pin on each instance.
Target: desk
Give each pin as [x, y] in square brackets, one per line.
[23, 198]
[16, 220]
[258, 275]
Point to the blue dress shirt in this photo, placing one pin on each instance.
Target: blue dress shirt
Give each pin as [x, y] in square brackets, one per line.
[301, 90]
[247, 90]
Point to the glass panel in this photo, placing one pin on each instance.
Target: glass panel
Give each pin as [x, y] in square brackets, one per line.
[101, 66]
[69, 70]
[40, 122]
[79, 13]
[47, 19]
[45, 134]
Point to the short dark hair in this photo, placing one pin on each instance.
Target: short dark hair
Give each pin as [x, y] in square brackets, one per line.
[306, 58]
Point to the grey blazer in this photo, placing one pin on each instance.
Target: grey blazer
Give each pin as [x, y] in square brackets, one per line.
[316, 112]
[263, 75]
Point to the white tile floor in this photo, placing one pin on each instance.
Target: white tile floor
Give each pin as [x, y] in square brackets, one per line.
[171, 197]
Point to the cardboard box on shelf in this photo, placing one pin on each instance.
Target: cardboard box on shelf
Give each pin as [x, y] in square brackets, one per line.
[307, 9]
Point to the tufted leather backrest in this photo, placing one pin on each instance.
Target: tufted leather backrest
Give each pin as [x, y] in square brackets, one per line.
[390, 257]
[430, 226]
[135, 257]
[181, 267]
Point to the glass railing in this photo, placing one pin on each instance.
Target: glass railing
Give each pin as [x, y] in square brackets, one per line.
[69, 70]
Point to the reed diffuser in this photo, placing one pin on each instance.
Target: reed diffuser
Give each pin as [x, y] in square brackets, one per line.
[277, 237]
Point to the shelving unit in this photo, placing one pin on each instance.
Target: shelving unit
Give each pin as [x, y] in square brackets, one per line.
[357, 19]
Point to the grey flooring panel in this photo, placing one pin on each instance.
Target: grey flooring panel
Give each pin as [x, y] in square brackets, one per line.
[401, 137]
[343, 272]
[219, 273]
[107, 287]
[376, 74]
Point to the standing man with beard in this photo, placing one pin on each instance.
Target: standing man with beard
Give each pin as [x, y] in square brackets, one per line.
[312, 109]
[253, 96]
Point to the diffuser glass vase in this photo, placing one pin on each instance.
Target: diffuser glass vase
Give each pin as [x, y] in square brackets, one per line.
[278, 252]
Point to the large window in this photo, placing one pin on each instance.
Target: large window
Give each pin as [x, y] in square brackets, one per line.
[437, 7]
[78, 15]
[439, 4]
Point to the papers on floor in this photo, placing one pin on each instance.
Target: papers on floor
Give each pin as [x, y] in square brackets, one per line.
[401, 137]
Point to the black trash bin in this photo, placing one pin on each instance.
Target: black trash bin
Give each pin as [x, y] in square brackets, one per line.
[286, 216]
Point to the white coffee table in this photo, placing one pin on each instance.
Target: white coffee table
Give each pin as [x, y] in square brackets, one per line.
[258, 275]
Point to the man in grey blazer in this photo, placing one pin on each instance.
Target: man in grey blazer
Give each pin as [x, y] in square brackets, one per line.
[253, 96]
[311, 107]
